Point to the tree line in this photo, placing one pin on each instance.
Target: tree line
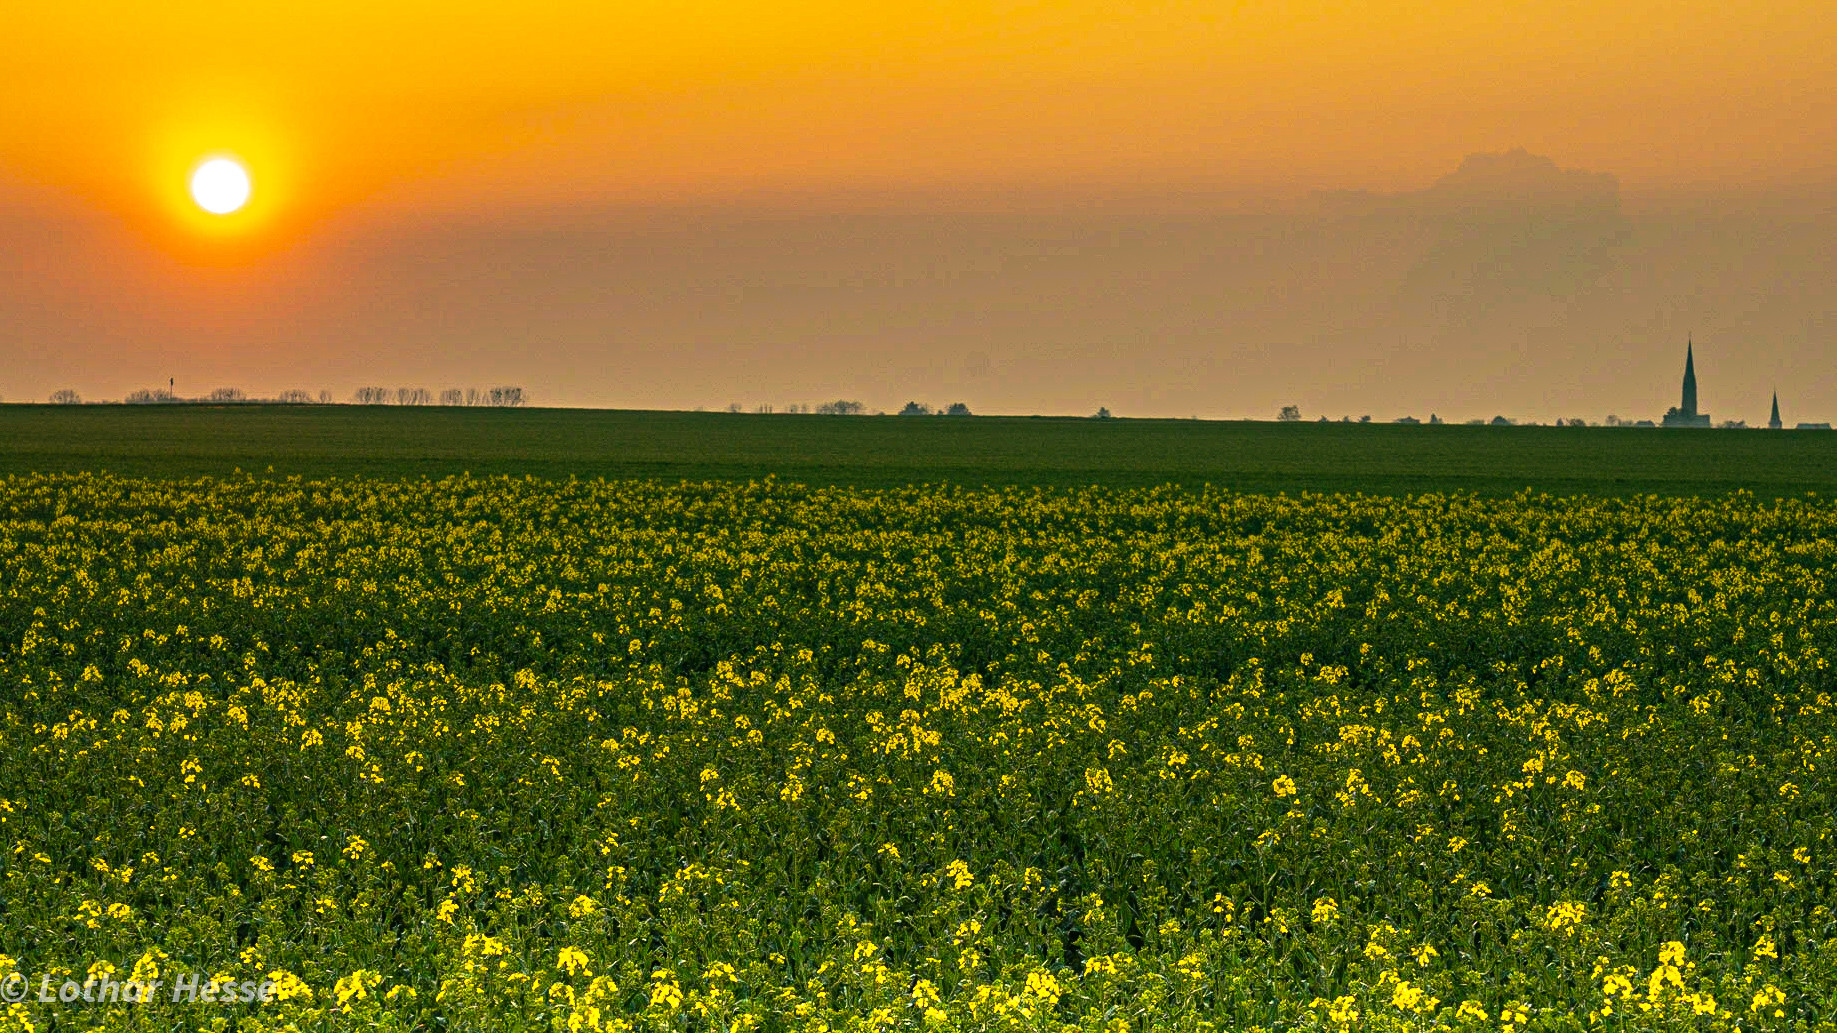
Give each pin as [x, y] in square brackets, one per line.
[504, 397]
[848, 408]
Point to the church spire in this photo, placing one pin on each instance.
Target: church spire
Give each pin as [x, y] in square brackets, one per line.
[1689, 406]
[1685, 414]
[1773, 423]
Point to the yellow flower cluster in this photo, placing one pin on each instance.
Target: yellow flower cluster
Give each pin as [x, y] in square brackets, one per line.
[494, 754]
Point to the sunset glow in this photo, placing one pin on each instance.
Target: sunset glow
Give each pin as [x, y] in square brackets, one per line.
[701, 203]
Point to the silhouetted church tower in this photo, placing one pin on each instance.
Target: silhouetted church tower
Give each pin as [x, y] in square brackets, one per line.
[1773, 422]
[1689, 408]
[1686, 414]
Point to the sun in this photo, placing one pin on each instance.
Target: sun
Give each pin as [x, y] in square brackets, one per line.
[220, 186]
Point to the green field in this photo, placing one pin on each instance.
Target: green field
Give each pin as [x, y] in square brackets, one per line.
[188, 441]
[712, 723]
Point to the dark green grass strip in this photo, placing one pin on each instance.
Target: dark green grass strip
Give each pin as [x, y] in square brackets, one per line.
[315, 441]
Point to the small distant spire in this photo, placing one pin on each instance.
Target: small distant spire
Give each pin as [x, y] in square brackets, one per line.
[1773, 423]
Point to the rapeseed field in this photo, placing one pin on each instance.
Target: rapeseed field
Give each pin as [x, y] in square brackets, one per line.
[493, 754]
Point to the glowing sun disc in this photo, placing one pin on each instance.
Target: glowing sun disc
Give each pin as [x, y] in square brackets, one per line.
[220, 186]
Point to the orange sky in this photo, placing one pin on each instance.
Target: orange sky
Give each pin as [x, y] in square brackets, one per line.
[335, 99]
[355, 117]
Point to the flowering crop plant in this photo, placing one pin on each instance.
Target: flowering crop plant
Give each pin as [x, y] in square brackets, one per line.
[493, 754]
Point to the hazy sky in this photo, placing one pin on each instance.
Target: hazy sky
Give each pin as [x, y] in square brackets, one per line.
[1166, 208]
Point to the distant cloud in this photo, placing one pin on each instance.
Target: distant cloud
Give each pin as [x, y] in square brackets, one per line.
[1508, 231]
[1518, 177]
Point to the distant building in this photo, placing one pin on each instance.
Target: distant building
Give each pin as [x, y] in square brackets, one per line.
[1813, 426]
[1408, 419]
[1686, 414]
[1773, 422]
